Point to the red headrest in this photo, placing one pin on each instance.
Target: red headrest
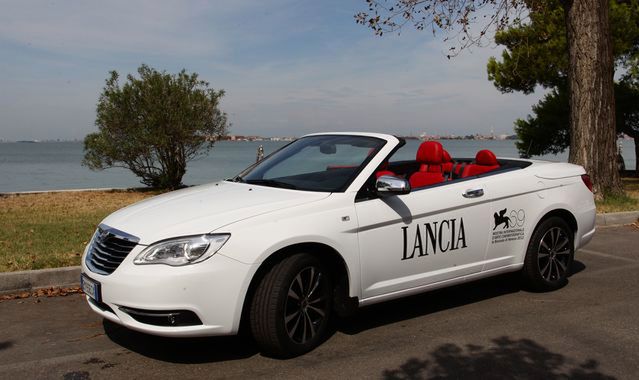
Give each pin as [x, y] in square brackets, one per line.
[430, 152]
[486, 158]
[446, 157]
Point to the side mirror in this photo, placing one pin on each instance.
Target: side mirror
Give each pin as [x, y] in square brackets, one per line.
[389, 185]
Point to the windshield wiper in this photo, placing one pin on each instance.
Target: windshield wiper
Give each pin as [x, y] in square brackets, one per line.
[271, 183]
[237, 178]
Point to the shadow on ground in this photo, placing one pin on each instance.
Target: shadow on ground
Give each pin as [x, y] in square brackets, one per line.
[435, 301]
[504, 359]
[181, 350]
[428, 303]
[5, 344]
[577, 266]
[214, 349]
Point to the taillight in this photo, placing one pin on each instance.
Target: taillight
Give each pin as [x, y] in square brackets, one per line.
[587, 181]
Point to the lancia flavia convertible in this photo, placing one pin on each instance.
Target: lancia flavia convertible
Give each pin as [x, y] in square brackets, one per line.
[329, 223]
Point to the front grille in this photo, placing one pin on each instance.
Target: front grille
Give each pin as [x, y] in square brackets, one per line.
[108, 249]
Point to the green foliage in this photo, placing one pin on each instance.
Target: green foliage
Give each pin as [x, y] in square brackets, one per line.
[535, 54]
[547, 132]
[627, 107]
[624, 19]
[154, 124]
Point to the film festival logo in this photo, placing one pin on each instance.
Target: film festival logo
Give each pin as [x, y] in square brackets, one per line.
[512, 225]
[514, 219]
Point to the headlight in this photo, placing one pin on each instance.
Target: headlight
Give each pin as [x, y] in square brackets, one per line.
[182, 251]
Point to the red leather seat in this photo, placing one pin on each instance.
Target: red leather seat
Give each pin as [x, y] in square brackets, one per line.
[429, 155]
[485, 161]
[447, 165]
[383, 170]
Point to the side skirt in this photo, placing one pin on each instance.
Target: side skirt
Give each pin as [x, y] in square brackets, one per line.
[440, 284]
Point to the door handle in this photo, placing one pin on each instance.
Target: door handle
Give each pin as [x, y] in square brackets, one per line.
[473, 193]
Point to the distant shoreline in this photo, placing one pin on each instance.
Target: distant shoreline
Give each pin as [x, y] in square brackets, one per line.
[474, 137]
[623, 174]
[46, 167]
[104, 189]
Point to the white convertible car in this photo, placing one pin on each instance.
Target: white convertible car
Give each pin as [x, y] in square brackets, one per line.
[328, 223]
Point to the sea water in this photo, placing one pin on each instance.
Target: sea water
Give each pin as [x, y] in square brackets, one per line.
[58, 165]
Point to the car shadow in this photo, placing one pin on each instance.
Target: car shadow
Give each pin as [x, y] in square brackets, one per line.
[181, 350]
[428, 303]
[432, 302]
[577, 266]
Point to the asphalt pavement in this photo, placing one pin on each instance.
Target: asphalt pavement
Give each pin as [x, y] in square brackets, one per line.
[491, 329]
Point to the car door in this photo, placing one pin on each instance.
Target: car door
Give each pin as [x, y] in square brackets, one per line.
[518, 201]
[427, 236]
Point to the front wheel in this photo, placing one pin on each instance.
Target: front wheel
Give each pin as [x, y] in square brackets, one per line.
[291, 306]
[549, 255]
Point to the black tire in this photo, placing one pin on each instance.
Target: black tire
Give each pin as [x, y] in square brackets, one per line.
[549, 255]
[291, 306]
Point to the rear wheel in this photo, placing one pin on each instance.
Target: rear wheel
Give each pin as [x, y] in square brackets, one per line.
[549, 256]
[291, 306]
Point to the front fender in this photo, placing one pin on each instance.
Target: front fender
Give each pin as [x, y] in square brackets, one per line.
[331, 222]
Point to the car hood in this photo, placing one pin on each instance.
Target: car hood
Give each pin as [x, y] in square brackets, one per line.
[203, 209]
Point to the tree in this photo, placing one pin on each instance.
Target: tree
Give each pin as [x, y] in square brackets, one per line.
[548, 130]
[590, 62]
[153, 125]
[536, 55]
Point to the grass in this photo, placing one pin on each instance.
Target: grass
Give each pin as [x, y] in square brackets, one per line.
[627, 202]
[50, 230]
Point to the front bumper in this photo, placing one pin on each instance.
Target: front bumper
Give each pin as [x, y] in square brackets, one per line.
[214, 290]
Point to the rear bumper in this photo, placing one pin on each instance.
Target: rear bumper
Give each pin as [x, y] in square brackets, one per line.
[586, 226]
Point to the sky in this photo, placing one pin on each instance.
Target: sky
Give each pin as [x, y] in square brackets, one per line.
[288, 67]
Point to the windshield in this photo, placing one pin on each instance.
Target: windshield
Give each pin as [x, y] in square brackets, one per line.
[315, 163]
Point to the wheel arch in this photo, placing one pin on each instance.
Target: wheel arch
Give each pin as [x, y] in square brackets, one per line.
[563, 214]
[557, 210]
[531, 272]
[342, 304]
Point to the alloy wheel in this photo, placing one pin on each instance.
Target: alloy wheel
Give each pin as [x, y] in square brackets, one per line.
[553, 254]
[306, 305]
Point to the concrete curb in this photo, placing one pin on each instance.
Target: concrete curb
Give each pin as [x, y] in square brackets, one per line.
[28, 280]
[617, 218]
[13, 282]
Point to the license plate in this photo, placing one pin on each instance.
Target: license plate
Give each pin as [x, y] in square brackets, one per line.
[90, 287]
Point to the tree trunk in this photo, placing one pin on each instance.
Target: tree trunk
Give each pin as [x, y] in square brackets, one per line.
[592, 103]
